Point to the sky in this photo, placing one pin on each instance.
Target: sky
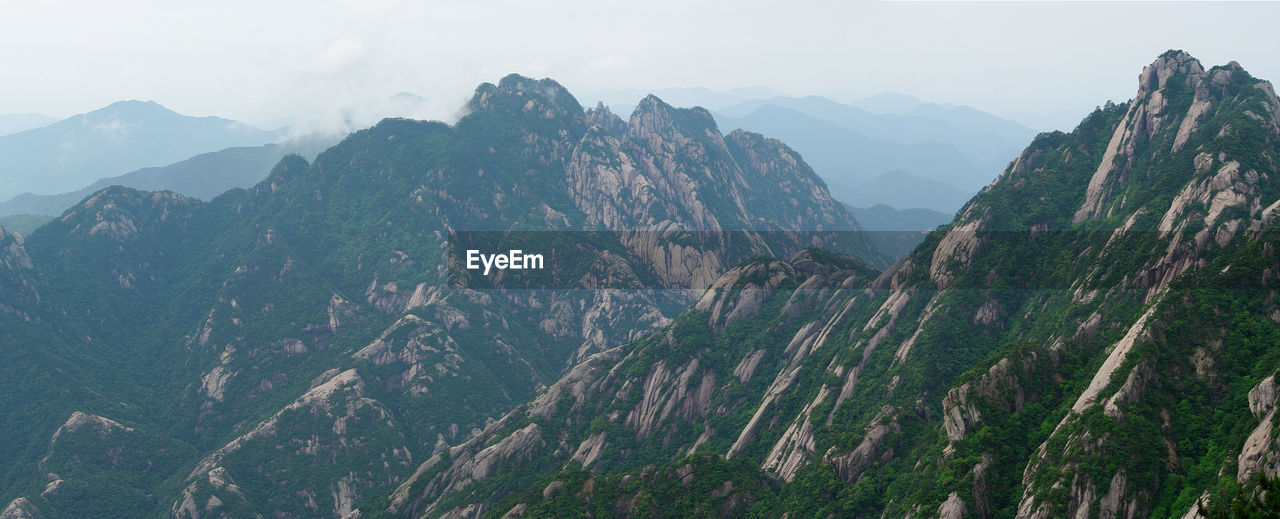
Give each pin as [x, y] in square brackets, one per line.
[261, 61]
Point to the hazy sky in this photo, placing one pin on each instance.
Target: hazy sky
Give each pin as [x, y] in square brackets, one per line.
[254, 63]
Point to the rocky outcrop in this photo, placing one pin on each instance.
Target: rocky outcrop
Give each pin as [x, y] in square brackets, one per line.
[336, 417]
[21, 508]
[194, 505]
[13, 255]
[1001, 385]
[80, 421]
[1261, 450]
[952, 508]
[875, 446]
[467, 466]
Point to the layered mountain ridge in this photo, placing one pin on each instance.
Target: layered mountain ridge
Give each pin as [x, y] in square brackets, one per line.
[1094, 335]
[294, 349]
[74, 152]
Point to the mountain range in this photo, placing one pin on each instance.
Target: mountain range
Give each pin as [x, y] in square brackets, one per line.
[203, 176]
[197, 338]
[72, 153]
[1093, 334]
[872, 150]
[937, 156]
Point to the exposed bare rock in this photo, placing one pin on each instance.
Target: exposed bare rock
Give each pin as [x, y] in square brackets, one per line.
[1083, 496]
[874, 446]
[1262, 398]
[1194, 512]
[981, 490]
[1146, 116]
[323, 422]
[22, 299]
[345, 493]
[952, 508]
[79, 421]
[741, 291]
[797, 444]
[1117, 355]
[667, 392]
[13, 255]
[21, 508]
[1261, 451]
[1113, 505]
[468, 467]
[575, 384]
[193, 502]
[900, 354]
[213, 384]
[988, 313]
[1199, 107]
[890, 309]
[958, 247]
[1083, 491]
[747, 367]
[1130, 391]
[589, 450]
[999, 385]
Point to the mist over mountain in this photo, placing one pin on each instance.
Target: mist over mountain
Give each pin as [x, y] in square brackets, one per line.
[128, 135]
[956, 150]
[887, 103]
[897, 232]
[885, 218]
[985, 140]
[848, 160]
[900, 189]
[978, 133]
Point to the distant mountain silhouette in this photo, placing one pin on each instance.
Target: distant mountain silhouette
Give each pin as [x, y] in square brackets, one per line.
[203, 176]
[901, 189]
[624, 100]
[846, 159]
[14, 123]
[989, 142]
[127, 135]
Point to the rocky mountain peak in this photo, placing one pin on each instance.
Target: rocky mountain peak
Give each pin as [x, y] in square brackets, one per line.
[12, 254]
[516, 94]
[654, 116]
[1174, 62]
[1176, 100]
[606, 120]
